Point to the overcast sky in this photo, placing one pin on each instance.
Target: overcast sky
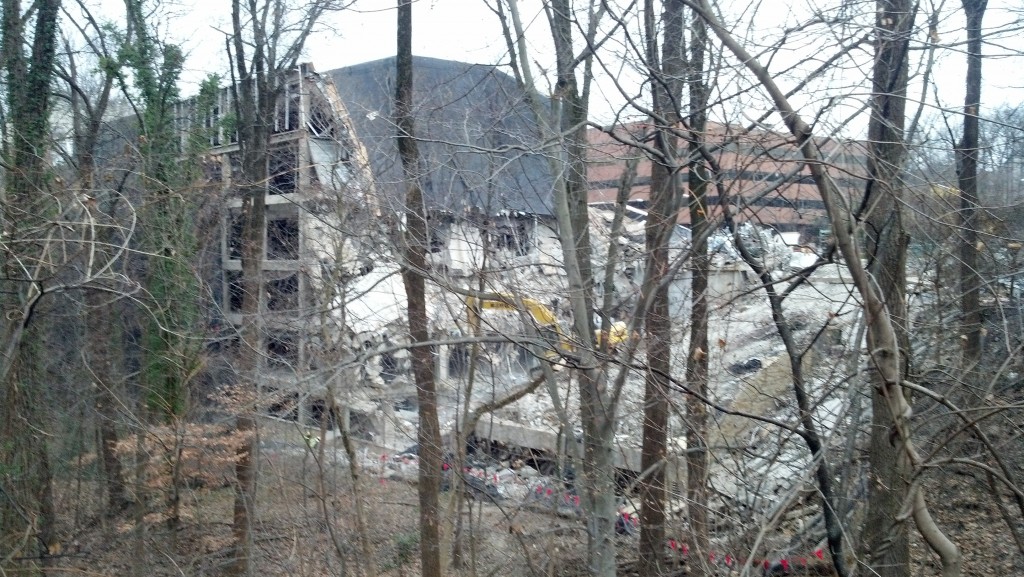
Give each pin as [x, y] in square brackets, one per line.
[468, 31]
[454, 29]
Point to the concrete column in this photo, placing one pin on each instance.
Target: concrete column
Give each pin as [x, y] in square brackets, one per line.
[443, 354]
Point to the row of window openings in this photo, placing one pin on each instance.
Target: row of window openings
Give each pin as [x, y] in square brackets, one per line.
[292, 406]
[281, 294]
[515, 237]
[280, 349]
[282, 179]
[286, 119]
[282, 175]
[282, 238]
[320, 122]
[281, 168]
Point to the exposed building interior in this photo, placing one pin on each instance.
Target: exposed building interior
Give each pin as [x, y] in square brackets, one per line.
[332, 300]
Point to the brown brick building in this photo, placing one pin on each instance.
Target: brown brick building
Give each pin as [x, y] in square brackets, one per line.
[762, 175]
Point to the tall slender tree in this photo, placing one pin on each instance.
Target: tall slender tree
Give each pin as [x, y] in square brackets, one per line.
[267, 39]
[886, 536]
[562, 127]
[414, 266]
[698, 355]
[967, 152]
[667, 70]
[27, 515]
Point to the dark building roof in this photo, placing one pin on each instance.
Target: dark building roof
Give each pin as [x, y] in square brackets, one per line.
[462, 113]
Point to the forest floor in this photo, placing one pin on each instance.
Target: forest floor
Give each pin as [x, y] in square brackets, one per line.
[307, 526]
[306, 521]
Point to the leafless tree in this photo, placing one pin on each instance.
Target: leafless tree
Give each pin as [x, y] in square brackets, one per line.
[885, 535]
[266, 41]
[967, 152]
[414, 264]
[28, 49]
[882, 338]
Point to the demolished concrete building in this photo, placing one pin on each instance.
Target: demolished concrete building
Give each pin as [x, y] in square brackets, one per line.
[331, 289]
[333, 299]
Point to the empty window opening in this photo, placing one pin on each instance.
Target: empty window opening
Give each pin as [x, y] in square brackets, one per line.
[283, 294]
[388, 367]
[281, 165]
[319, 411]
[212, 125]
[283, 238]
[458, 360]
[282, 349]
[514, 235]
[236, 291]
[288, 110]
[320, 121]
[236, 228]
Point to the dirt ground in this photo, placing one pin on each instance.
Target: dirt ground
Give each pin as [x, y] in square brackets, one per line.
[307, 527]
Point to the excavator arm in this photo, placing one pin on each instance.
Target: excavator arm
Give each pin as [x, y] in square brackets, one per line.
[547, 322]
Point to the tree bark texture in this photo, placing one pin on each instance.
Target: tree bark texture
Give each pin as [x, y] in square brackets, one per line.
[597, 409]
[697, 357]
[413, 267]
[967, 180]
[27, 516]
[666, 88]
[254, 107]
[103, 369]
[886, 538]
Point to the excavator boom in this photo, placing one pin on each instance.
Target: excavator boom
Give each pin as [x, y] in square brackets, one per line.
[547, 322]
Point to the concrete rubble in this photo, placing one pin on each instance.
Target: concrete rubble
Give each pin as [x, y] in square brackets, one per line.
[749, 372]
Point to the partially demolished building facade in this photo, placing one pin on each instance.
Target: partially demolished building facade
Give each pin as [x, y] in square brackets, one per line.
[318, 179]
[332, 298]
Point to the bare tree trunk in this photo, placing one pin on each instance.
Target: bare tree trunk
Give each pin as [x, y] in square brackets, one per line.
[661, 222]
[967, 179]
[413, 267]
[105, 401]
[883, 344]
[697, 357]
[369, 565]
[597, 406]
[266, 41]
[27, 515]
[252, 95]
[566, 130]
[885, 535]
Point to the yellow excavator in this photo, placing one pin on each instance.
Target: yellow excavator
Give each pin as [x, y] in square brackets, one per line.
[547, 323]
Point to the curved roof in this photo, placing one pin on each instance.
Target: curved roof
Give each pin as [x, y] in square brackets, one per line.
[475, 131]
